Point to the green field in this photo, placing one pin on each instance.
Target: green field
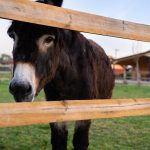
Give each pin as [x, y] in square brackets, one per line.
[129, 133]
[5, 75]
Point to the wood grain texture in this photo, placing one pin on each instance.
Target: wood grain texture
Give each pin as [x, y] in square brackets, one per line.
[18, 114]
[28, 11]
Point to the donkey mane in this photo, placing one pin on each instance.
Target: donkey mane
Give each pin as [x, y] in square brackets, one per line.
[79, 62]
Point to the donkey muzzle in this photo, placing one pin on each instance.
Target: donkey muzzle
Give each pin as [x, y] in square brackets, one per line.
[22, 92]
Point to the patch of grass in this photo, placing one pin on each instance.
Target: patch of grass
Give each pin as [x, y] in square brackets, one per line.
[25, 138]
[130, 133]
[5, 75]
[131, 91]
[5, 96]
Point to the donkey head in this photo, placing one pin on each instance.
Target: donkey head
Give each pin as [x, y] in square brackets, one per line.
[35, 54]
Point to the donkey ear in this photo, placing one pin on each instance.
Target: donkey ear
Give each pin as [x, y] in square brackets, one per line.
[52, 2]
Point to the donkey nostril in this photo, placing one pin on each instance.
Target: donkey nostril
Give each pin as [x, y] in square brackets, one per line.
[20, 89]
[28, 89]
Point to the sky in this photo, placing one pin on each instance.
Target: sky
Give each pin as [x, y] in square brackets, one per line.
[129, 10]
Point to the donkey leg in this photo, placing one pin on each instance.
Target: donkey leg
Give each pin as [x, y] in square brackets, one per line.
[59, 134]
[81, 135]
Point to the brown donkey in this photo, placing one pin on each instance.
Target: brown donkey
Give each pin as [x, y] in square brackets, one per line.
[66, 65]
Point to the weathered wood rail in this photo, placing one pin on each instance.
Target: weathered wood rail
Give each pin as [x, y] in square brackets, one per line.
[28, 11]
[17, 114]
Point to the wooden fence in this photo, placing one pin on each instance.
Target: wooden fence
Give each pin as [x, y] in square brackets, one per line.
[15, 114]
[25, 10]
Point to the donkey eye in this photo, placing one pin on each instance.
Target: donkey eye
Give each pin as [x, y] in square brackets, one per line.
[48, 39]
[45, 42]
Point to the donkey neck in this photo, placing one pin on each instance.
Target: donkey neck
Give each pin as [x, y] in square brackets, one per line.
[69, 79]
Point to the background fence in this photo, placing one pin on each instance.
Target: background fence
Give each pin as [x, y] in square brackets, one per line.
[43, 112]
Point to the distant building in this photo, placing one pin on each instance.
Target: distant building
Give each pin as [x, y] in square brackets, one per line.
[6, 63]
[136, 66]
[6, 59]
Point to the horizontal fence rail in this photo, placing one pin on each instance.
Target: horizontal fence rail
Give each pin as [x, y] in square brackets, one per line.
[17, 114]
[28, 11]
